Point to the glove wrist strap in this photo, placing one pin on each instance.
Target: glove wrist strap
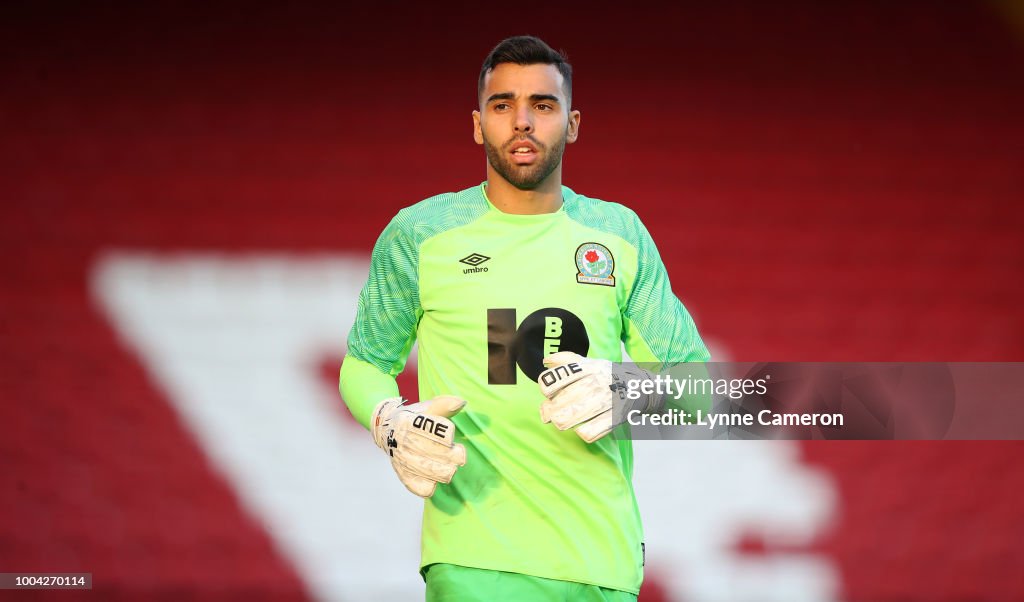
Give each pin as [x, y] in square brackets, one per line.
[379, 416]
[654, 400]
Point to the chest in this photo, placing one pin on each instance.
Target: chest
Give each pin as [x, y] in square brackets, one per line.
[528, 268]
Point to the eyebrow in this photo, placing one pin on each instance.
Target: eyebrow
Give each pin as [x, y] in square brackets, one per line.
[533, 97]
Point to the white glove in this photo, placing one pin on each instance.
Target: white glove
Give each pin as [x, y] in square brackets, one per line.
[580, 393]
[420, 439]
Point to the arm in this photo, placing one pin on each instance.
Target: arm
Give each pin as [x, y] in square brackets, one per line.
[656, 325]
[385, 325]
[659, 329]
[419, 438]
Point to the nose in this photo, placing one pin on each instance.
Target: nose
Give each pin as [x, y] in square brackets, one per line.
[524, 121]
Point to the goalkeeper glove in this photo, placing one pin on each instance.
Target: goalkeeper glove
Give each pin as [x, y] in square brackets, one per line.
[420, 439]
[580, 393]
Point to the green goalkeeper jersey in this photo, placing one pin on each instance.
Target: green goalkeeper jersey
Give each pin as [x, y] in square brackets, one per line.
[488, 295]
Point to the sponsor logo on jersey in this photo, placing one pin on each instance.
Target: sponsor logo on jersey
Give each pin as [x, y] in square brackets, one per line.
[595, 264]
[474, 260]
[540, 334]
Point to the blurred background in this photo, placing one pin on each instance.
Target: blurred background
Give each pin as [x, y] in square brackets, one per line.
[190, 193]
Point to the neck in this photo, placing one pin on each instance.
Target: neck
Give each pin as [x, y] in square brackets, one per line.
[545, 198]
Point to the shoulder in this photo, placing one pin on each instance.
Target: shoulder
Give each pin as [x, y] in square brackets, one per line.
[439, 213]
[606, 216]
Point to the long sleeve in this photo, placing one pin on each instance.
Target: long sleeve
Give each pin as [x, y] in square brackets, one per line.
[657, 327]
[385, 326]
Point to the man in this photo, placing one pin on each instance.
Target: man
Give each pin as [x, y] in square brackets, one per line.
[497, 282]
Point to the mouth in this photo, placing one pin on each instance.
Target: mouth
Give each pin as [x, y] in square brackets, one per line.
[523, 153]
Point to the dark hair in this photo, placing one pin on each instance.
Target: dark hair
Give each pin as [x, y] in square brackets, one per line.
[526, 50]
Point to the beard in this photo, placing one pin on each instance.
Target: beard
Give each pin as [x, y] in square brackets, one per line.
[525, 177]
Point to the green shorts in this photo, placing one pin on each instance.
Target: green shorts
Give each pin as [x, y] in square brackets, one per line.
[453, 583]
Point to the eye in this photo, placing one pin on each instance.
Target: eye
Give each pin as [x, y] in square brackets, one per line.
[501, 106]
[544, 107]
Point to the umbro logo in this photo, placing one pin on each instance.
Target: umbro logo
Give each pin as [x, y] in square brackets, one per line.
[474, 259]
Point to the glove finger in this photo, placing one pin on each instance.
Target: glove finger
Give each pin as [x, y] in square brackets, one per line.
[421, 486]
[592, 430]
[420, 446]
[546, 408]
[569, 416]
[560, 376]
[585, 400]
[457, 454]
[560, 358]
[557, 402]
[429, 468]
[444, 405]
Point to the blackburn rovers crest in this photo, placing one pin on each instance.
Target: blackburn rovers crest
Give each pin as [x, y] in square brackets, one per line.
[595, 264]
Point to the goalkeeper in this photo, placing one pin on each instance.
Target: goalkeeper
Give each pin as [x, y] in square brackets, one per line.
[527, 496]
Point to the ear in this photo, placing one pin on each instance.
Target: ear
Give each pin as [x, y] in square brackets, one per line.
[574, 127]
[478, 134]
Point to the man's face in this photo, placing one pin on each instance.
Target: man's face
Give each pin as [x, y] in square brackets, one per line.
[524, 122]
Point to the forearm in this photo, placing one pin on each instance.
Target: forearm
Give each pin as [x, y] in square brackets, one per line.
[363, 386]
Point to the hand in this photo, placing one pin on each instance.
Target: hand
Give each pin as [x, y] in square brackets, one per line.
[420, 439]
[580, 393]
